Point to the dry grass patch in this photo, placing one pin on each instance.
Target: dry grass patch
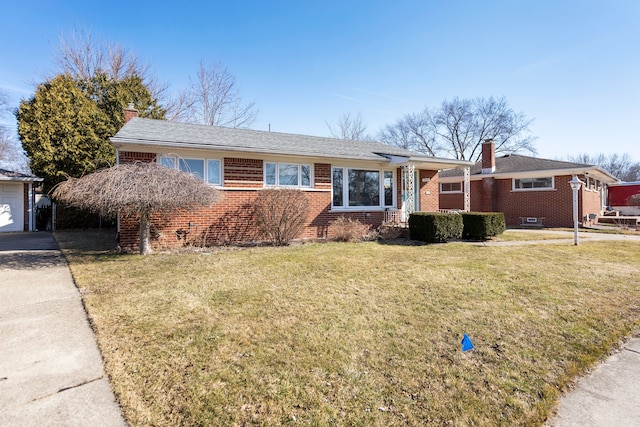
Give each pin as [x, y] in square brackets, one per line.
[355, 334]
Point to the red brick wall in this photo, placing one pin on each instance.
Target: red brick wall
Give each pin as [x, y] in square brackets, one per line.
[243, 173]
[451, 200]
[429, 200]
[556, 205]
[231, 221]
[131, 156]
[489, 197]
[322, 176]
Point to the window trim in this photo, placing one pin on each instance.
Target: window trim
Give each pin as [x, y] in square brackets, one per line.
[381, 206]
[277, 175]
[551, 188]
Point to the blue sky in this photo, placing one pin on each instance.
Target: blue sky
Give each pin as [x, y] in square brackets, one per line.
[572, 66]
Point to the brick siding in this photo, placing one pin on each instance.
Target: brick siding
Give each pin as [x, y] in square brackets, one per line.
[231, 221]
[243, 172]
[131, 156]
[555, 206]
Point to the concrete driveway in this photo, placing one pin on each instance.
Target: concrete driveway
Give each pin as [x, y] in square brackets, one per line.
[51, 371]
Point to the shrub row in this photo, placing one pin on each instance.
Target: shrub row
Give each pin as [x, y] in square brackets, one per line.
[482, 225]
[436, 227]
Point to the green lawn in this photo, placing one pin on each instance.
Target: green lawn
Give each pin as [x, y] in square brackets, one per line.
[361, 334]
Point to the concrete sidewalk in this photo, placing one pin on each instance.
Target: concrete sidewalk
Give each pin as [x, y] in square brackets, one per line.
[608, 396]
[561, 237]
[51, 371]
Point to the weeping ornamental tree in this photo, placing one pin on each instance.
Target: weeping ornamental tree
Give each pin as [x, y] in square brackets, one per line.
[136, 189]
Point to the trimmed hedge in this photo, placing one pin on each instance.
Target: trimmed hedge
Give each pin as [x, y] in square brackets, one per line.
[435, 227]
[482, 225]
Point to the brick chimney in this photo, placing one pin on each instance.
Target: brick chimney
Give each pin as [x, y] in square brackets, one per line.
[488, 156]
[130, 112]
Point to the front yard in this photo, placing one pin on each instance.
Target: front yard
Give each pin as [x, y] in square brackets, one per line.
[354, 334]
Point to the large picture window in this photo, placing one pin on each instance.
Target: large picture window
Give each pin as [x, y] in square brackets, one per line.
[287, 175]
[533, 183]
[362, 188]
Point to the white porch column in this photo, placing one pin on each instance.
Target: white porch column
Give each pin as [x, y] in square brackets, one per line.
[467, 189]
[408, 191]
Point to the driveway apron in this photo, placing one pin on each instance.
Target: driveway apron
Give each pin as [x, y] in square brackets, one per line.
[51, 370]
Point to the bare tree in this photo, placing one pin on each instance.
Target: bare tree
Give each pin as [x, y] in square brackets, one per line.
[5, 140]
[82, 55]
[213, 98]
[349, 127]
[11, 154]
[414, 131]
[136, 189]
[457, 129]
[621, 166]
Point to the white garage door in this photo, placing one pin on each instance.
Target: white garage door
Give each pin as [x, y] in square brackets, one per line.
[11, 207]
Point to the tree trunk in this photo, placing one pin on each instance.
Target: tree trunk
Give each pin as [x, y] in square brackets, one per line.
[145, 239]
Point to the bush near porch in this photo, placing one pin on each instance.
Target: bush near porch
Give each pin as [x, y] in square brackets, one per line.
[482, 225]
[435, 227]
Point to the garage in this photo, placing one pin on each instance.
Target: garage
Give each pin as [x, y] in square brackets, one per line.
[17, 198]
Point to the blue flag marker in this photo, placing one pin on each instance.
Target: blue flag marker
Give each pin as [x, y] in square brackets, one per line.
[466, 343]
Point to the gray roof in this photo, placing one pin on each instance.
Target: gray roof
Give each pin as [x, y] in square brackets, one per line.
[7, 175]
[139, 131]
[515, 163]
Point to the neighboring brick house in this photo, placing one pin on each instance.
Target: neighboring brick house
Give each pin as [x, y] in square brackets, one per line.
[17, 201]
[528, 190]
[361, 180]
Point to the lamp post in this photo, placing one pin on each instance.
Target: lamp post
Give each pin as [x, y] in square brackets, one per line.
[575, 184]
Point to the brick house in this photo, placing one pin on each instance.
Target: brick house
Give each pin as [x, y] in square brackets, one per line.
[528, 190]
[362, 180]
[17, 201]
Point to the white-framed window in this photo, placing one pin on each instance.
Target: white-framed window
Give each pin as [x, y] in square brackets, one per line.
[362, 188]
[208, 170]
[287, 175]
[451, 187]
[214, 171]
[527, 184]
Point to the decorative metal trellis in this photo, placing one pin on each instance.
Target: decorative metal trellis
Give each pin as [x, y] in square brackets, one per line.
[408, 191]
[467, 192]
